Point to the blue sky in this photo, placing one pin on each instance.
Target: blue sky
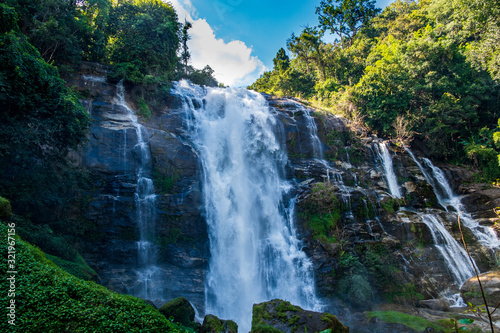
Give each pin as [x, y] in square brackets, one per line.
[240, 38]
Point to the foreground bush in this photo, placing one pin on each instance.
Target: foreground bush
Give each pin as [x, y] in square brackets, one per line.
[47, 299]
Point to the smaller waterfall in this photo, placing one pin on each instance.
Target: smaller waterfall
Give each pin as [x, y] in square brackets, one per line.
[486, 236]
[392, 181]
[145, 206]
[454, 254]
[446, 198]
[313, 132]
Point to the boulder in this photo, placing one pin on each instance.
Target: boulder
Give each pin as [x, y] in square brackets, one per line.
[278, 315]
[435, 304]
[180, 309]
[471, 293]
[212, 324]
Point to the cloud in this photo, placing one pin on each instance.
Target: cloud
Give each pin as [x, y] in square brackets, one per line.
[232, 62]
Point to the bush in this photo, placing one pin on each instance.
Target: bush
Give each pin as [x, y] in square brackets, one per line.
[50, 300]
[5, 209]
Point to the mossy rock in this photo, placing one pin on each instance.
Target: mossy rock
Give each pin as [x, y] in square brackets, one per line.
[181, 310]
[281, 316]
[212, 324]
[5, 209]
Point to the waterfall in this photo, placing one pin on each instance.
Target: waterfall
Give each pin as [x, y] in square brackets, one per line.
[316, 144]
[446, 198]
[486, 236]
[145, 206]
[386, 159]
[249, 207]
[454, 255]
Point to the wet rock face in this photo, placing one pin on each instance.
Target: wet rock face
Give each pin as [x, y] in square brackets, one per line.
[354, 240]
[112, 158]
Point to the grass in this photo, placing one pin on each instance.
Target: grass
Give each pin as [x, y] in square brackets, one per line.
[418, 324]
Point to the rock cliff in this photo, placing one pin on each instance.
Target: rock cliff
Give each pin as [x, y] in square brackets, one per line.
[367, 246]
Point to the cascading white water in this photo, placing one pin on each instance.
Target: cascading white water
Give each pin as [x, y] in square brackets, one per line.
[446, 198]
[255, 253]
[454, 254]
[486, 236]
[145, 205]
[386, 159]
[317, 146]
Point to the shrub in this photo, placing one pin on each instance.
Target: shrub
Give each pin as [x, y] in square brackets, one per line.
[5, 209]
[50, 300]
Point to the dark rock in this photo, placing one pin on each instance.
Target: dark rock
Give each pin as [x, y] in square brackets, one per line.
[278, 315]
[212, 324]
[181, 310]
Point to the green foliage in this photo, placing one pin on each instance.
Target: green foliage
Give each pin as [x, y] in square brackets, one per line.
[165, 180]
[427, 71]
[5, 209]
[416, 323]
[8, 19]
[281, 61]
[321, 210]
[345, 17]
[203, 77]
[392, 205]
[51, 300]
[144, 110]
[145, 40]
[262, 328]
[80, 268]
[63, 31]
[41, 120]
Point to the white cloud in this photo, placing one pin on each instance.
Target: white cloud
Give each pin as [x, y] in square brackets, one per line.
[232, 62]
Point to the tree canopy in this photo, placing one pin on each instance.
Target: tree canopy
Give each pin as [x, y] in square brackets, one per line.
[430, 68]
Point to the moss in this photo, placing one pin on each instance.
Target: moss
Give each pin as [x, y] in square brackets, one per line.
[48, 299]
[259, 314]
[5, 209]
[144, 109]
[293, 320]
[213, 324]
[180, 310]
[165, 180]
[264, 329]
[416, 323]
[232, 326]
[333, 324]
[79, 268]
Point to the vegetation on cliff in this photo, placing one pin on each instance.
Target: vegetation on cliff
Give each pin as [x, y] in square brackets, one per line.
[424, 70]
[42, 43]
[47, 299]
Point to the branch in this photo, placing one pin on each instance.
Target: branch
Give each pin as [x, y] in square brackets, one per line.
[477, 275]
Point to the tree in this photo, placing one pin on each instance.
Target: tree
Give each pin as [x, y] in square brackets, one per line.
[345, 17]
[64, 32]
[145, 36]
[281, 61]
[185, 55]
[308, 47]
[41, 120]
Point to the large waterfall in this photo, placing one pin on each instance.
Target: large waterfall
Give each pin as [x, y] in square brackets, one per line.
[249, 206]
